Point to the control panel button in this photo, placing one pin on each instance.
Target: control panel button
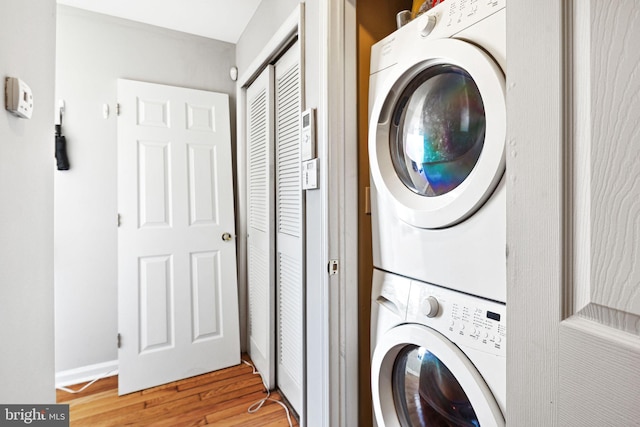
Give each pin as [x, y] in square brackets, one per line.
[429, 26]
[430, 307]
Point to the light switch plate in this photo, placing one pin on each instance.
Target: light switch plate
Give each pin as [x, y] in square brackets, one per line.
[310, 174]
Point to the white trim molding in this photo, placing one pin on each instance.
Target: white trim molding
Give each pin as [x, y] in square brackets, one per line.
[291, 28]
[339, 103]
[86, 373]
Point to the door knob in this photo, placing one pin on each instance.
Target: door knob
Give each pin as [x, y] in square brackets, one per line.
[227, 236]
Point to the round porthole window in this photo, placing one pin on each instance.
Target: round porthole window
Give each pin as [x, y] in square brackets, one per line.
[438, 130]
[437, 134]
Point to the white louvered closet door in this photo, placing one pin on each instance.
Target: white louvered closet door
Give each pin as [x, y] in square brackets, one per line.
[261, 225]
[289, 229]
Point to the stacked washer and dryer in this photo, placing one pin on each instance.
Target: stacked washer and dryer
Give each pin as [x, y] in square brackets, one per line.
[437, 126]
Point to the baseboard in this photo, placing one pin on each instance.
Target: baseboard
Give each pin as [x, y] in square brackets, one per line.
[86, 373]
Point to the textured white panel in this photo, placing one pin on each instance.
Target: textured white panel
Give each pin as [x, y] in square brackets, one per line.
[598, 364]
[259, 293]
[201, 118]
[258, 163]
[205, 293]
[615, 155]
[289, 194]
[153, 113]
[203, 187]
[599, 345]
[290, 319]
[153, 184]
[156, 303]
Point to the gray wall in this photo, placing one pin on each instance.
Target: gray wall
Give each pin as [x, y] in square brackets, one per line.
[93, 52]
[27, 50]
[265, 22]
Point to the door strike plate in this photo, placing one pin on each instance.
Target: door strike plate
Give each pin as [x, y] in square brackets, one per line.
[333, 267]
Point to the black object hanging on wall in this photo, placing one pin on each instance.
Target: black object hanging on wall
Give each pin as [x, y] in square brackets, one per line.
[61, 150]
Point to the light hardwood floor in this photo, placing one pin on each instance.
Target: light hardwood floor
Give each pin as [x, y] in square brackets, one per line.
[218, 398]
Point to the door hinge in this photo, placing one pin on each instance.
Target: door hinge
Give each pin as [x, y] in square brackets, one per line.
[119, 220]
[117, 109]
[119, 340]
[333, 267]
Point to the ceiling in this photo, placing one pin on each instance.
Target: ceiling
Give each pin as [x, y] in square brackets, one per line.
[216, 19]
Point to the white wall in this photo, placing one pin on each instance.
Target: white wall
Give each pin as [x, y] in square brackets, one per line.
[27, 50]
[93, 51]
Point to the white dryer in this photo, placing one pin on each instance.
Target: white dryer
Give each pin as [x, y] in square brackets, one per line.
[444, 364]
[437, 148]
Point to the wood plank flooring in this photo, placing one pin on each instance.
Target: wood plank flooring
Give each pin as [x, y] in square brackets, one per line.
[218, 398]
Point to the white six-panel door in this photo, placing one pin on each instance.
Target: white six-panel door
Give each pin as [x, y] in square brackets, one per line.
[177, 283]
[260, 229]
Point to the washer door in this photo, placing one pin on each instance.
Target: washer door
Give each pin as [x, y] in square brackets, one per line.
[420, 379]
[437, 136]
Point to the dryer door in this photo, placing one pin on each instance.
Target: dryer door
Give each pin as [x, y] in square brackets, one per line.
[419, 379]
[437, 135]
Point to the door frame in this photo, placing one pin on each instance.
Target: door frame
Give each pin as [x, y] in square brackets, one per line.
[537, 45]
[339, 183]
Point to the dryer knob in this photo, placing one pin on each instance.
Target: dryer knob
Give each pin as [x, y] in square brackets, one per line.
[430, 24]
[430, 307]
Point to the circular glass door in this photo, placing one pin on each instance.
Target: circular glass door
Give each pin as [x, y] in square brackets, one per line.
[437, 133]
[420, 378]
[427, 394]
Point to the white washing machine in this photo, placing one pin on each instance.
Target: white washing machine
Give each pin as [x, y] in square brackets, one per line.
[437, 148]
[443, 363]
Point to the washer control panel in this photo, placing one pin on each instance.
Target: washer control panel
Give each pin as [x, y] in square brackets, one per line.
[464, 319]
[442, 21]
[460, 13]
[452, 16]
